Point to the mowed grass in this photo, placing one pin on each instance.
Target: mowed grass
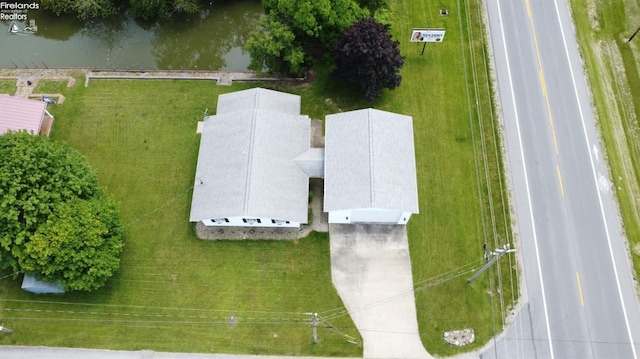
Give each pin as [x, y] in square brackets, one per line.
[8, 87]
[603, 33]
[50, 86]
[463, 203]
[174, 292]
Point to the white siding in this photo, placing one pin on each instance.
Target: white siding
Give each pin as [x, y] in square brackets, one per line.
[340, 216]
[248, 222]
[369, 215]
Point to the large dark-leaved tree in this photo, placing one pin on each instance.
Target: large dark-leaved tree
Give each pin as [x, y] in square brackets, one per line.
[366, 55]
[56, 222]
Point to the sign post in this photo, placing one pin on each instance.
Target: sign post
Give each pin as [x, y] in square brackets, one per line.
[427, 35]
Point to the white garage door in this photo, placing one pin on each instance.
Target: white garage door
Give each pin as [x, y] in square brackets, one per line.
[375, 216]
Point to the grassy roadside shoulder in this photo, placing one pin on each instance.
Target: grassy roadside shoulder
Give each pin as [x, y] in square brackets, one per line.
[611, 64]
[463, 202]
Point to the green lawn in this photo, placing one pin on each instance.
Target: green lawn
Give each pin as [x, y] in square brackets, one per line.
[603, 31]
[8, 87]
[462, 200]
[140, 135]
[50, 86]
[173, 291]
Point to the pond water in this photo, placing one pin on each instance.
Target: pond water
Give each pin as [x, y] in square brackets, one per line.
[210, 40]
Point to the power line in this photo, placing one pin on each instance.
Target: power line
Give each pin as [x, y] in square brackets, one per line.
[439, 279]
[144, 307]
[158, 208]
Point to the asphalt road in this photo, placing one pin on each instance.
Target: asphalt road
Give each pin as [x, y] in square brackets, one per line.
[579, 293]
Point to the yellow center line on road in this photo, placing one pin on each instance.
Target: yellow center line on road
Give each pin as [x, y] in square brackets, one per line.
[560, 179]
[544, 92]
[542, 80]
[580, 289]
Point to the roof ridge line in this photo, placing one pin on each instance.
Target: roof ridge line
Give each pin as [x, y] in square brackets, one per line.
[252, 136]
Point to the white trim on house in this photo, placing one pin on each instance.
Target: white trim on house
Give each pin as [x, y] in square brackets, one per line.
[369, 215]
[248, 222]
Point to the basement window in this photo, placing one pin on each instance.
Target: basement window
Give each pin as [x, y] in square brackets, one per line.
[279, 222]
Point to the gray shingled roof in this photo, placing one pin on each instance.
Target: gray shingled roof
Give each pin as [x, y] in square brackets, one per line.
[312, 162]
[246, 161]
[18, 113]
[259, 98]
[370, 161]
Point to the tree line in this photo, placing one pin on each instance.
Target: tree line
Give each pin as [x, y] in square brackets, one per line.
[143, 9]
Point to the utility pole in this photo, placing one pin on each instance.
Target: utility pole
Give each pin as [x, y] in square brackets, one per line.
[314, 326]
[491, 258]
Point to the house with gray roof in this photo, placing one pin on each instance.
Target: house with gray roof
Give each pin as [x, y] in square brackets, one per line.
[255, 161]
[370, 171]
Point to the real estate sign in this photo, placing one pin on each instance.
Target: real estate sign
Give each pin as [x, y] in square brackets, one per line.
[427, 35]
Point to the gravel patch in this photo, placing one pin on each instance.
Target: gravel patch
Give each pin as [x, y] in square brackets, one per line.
[261, 233]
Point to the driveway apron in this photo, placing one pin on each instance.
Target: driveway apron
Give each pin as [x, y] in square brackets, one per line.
[371, 270]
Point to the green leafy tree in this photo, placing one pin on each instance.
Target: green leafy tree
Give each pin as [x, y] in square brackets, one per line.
[84, 9]
[374, 5]
[159, 9]
[367, 56]
[273, 47]
[38, 178]
[296, 32]
[78, 246]
[145, 9]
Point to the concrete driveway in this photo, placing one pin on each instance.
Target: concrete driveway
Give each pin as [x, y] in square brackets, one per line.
[371, 270]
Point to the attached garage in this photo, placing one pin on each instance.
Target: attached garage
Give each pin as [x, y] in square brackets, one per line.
[370, 173]
[375, 215]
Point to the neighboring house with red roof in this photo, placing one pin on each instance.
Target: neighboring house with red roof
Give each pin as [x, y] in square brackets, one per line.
[17, 113]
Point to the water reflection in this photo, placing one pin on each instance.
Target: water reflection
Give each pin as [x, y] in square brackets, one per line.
[210, 40]
[50, 26]
[218, 36]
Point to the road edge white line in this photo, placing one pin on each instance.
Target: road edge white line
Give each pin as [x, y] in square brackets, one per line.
[595, 178]
[526, 180]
